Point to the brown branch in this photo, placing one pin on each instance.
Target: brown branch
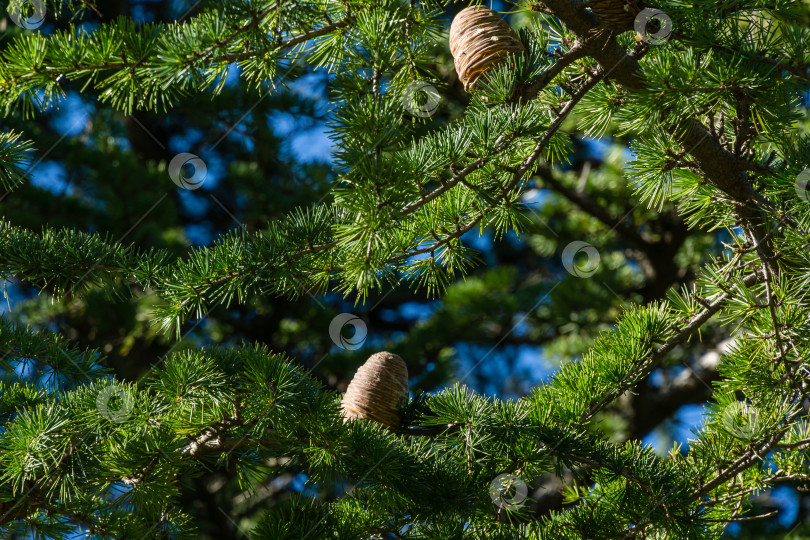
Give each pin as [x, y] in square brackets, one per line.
[740, 464]
[79, 519]
[798, 445]
[739, 519]
[721, 168]
[646, 365]
[518, 175]
[501, 145]
[210, 439]
[573, 54]
[801, 71]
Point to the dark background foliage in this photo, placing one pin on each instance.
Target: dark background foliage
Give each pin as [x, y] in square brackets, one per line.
[501, 330]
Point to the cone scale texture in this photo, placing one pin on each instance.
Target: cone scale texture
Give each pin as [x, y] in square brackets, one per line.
[479, 41]
[378, 390]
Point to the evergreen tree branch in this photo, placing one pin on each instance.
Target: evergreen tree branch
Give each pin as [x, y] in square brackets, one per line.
[49, 356]
[14, 159]
[720, 167]
[519, 174]
[79, 519]
[191, 55]
[643, 367]
[740, 464]
[69, 262]
[576, 52]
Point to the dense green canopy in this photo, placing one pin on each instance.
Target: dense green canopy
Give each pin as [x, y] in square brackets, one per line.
[166, 361]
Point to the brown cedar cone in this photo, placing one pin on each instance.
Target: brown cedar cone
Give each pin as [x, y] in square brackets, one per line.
[618, 14]
[378, 390]
[479, 41]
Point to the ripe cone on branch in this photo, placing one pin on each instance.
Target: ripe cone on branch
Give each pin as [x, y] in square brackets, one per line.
[378, 390]
[618, 14]
[479, 41]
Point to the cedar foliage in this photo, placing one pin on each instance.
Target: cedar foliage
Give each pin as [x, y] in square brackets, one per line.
[715, 118]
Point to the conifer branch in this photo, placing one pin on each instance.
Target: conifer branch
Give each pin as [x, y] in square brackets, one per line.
[81, 520]
[643, 368]
[396, 198]
[176, 54]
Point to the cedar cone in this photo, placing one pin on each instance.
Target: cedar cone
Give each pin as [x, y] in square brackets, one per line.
[620, 14]
[378, 390]
[479, 41]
